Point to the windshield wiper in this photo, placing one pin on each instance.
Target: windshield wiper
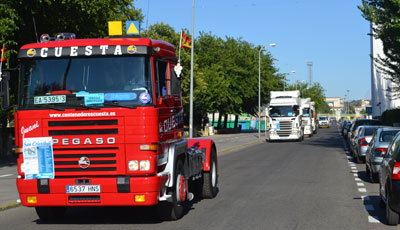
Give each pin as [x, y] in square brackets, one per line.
[116, 104]
[47, 106]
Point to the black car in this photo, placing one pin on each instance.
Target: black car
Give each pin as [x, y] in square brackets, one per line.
[389, 181]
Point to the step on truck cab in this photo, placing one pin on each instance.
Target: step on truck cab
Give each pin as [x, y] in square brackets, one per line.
[112, 110]
[308, 109]
[285, 116]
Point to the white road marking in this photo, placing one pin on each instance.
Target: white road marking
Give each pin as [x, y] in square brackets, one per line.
[365, 198]
[355, 174]
[369, 207]
[362, 189]
[18, 201]
[373, 219]
[354, 167]
[354, 171]
[357, 179]
[6, 175]
[360, 184]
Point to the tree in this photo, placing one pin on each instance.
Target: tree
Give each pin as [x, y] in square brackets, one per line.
[385, 18]
[316, 92]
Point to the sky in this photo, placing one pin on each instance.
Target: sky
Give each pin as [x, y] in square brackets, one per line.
[331, 34]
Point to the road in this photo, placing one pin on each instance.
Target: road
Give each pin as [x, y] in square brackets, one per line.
[281, 185]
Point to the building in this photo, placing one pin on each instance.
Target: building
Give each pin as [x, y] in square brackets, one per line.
[381, 98]
[336, 104]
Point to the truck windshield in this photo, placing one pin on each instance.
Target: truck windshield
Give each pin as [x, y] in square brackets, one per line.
[283, 111]
[306, 112]
[323, 118]
[88, 81]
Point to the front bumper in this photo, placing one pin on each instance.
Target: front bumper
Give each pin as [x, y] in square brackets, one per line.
[148, 186]
[275, 137]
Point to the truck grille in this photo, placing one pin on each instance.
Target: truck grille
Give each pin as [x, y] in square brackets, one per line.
[87, 140]
[285, 128]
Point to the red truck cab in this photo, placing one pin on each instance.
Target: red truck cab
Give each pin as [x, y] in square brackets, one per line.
[113, 110]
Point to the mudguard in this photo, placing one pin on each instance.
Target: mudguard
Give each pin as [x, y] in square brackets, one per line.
[199, 144]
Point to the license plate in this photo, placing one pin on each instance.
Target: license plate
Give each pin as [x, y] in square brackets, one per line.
[49, 99]
[83, 188]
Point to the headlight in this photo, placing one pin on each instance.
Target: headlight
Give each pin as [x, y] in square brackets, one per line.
[22, 167]
[144, 165]
[133, 165]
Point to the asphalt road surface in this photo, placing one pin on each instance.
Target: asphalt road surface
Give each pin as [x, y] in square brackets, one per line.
[280, 185]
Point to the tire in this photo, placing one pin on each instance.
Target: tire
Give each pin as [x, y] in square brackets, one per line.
[392, 217]
[50, 213]
[372, 176]
[210, 179]
[170, 211]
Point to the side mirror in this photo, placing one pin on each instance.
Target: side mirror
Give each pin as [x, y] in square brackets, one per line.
[4, 90]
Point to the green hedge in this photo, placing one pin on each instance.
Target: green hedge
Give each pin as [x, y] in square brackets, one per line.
[389, 117]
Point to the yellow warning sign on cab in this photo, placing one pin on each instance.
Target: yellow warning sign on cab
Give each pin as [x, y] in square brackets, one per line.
[132, 27]
[114, 28]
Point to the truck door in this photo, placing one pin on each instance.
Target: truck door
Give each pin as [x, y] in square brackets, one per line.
[168, 101]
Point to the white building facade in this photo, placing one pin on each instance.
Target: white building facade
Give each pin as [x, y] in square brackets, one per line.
[381, 98]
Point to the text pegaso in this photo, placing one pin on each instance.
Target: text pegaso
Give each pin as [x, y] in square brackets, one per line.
[85, 141]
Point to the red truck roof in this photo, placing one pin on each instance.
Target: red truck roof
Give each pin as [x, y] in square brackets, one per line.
[166, 49]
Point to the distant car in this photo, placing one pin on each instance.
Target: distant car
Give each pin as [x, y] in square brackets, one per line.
[389, 181]
[359, 122]
[346, 129]
[376, 150]
[361, 141]
[343, 126]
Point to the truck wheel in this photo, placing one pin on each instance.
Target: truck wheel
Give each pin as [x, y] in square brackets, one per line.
[210, 179]
[392, 217]
[174, 210]
[50, 213]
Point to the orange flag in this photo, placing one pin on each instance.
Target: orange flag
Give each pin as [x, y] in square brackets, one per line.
[186, 41]
[3, 54]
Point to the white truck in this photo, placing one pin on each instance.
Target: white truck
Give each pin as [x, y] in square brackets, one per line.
[285, 116]
[308, 109]
[323, 120]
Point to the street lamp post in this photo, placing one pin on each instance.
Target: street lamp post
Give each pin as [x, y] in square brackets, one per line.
[259, 88]
[259, 92]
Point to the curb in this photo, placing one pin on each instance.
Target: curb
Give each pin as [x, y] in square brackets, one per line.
[8, 206]
[225, 151]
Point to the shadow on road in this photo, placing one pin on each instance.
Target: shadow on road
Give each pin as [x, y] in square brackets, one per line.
[371, 205]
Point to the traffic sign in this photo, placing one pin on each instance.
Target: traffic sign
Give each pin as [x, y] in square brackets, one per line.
[132, 27]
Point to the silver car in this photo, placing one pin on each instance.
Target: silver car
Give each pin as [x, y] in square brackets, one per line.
[361, 140]
[376, 149]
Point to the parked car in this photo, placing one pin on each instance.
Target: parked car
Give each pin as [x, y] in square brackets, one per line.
[389, 181]
[346, 129]
[343, 126]
[359, 122]
[361, 141]
[376, 150]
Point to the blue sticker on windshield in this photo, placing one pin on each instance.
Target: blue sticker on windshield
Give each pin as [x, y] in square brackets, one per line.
[144, 98]
[94, 99]
[82, 94]
[290, 114]
[120, 96]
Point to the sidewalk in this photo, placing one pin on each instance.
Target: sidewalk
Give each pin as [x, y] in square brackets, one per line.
[8, 168]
